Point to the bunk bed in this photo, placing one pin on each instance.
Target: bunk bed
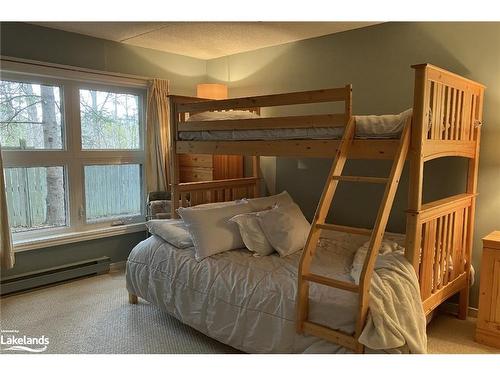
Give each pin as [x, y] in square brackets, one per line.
[445, 121]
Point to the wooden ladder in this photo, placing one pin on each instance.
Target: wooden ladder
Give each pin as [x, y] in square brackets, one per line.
[376, 235]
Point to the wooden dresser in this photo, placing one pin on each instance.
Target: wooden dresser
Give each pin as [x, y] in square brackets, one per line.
[488, 319]
[205, 167]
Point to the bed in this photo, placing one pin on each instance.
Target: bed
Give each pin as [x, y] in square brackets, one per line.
[244, 301]
[445, 121]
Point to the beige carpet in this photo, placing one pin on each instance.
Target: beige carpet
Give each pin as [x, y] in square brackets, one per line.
[92, 315]
[448, 335]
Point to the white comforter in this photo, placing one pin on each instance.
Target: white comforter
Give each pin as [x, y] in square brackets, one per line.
[245, 301]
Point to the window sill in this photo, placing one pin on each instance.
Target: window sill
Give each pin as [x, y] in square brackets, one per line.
[61, 239]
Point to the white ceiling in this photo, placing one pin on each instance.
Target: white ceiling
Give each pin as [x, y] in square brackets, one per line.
[205, 40]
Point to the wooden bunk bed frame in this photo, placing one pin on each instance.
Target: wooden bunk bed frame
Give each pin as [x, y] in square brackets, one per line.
[446, 120]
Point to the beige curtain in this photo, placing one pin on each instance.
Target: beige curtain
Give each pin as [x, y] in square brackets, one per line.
[6, 248]
[157, 176]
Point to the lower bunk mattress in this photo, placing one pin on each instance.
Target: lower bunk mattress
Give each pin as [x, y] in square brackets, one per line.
[244, 301]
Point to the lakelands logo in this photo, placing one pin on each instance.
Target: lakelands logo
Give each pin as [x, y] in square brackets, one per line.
[11, 340]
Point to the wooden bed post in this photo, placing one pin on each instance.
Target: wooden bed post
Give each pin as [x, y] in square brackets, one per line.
[420, 118]
[257, 174]
[173, 161]
[348, 102]
[463, 302]
[132, 299]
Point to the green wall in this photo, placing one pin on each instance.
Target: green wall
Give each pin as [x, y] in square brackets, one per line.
[376, 60]
[49, 45]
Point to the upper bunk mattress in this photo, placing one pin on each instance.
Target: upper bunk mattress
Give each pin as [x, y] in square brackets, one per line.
[244, 301]
[367, 127]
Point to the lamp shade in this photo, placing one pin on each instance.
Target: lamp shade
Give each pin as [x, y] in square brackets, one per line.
[211, 91]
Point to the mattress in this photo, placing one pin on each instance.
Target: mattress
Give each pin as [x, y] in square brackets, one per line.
[367, 127]
[244, 301]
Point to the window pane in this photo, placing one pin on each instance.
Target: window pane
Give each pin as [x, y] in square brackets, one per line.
[30, 116]
[35, 198]
[109, 120]
[112, 191]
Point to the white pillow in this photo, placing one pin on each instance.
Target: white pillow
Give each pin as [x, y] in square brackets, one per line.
[264, 203]
[359, 258]
[211, 230]
[171, 230]
[253, 237]
[285, 228]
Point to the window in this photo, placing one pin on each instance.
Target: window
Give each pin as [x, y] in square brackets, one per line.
[36, 198]
[30, 116]
[73, 153]
[110, 121]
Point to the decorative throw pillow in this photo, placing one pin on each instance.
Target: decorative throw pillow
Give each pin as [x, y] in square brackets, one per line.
[264, 203]
[211, 230]
[253, 237]
[285, 228]
[171, 230]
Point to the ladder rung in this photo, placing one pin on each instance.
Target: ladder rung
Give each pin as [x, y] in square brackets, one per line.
[330, 334]
[371, 180]
[351, 287]
[343, 228]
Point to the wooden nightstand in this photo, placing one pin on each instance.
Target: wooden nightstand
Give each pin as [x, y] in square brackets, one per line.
[488, 319]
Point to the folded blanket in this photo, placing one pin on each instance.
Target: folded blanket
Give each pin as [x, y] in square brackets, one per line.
[386, 246]
[387, 125]
[396, 316]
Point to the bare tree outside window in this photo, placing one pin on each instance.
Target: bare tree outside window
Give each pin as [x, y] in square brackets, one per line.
[56, 215]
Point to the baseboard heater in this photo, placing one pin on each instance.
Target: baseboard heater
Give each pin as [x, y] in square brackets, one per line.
[30, 280]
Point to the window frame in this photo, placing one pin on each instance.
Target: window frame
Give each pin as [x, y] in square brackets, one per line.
[72, 156]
